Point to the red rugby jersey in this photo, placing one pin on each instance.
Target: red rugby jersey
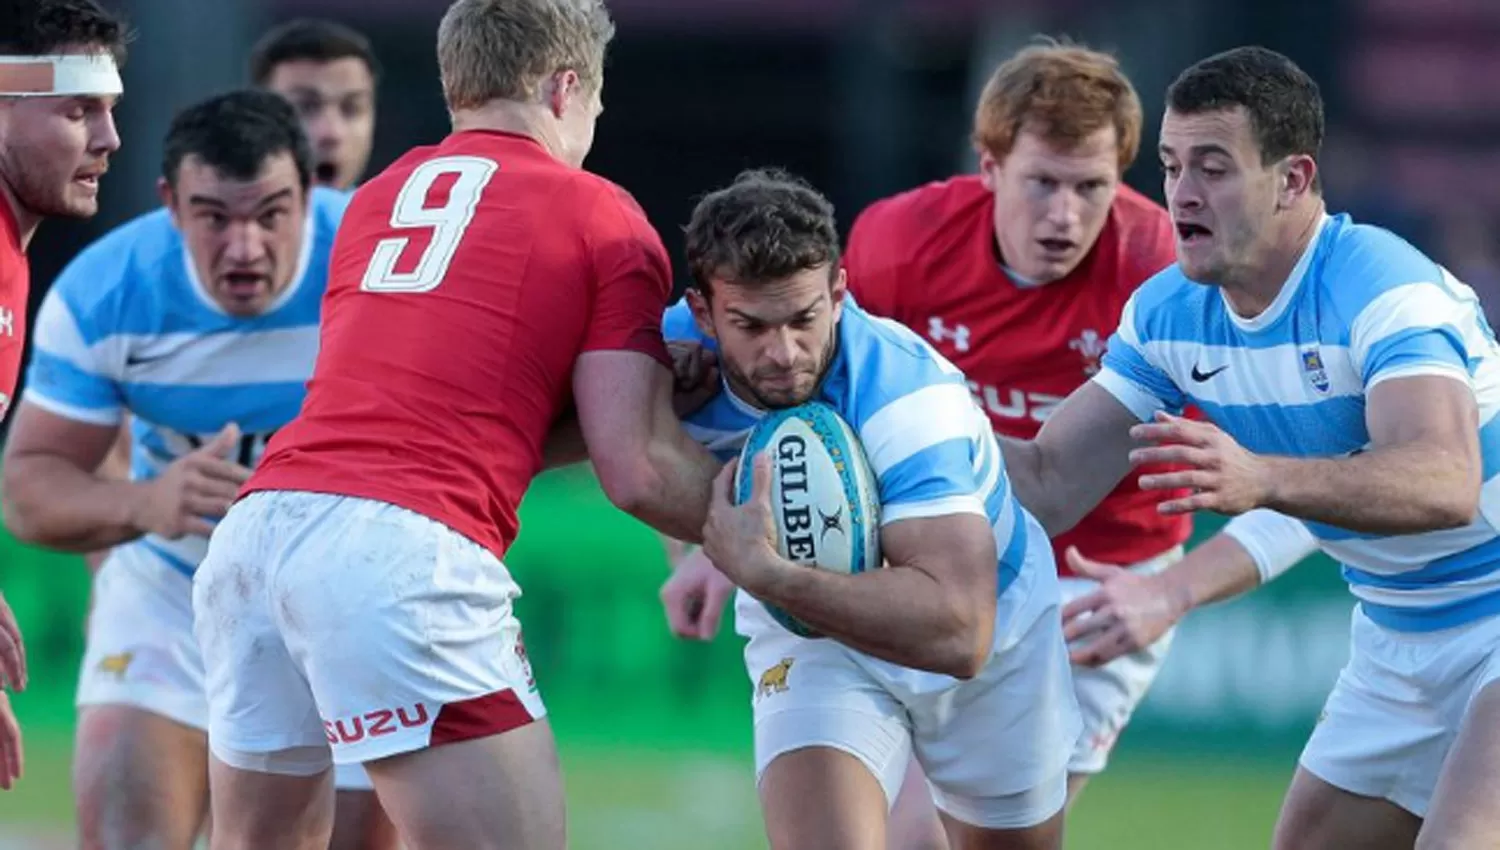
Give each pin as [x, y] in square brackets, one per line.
[927, 259]
[465, 281]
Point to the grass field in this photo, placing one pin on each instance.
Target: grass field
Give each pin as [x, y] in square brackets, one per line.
[622, 798]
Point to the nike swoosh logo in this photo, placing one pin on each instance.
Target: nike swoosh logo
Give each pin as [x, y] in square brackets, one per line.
[1200, 377]
[138, 360]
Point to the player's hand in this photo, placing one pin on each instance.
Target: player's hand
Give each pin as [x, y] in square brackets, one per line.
[1126, 613]
[10, 745]
[694, 597]
[740, 539]
[695, 376]
[197, 485]
[12, 650]
[1222, 475]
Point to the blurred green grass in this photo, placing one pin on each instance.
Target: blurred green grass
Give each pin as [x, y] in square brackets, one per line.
[620, 797]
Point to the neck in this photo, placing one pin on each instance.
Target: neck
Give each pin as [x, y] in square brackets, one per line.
[26, 220]
[511, 116]
[1252, 288]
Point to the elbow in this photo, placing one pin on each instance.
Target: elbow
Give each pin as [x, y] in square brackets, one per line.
[970, 642]
[21, 520]
[1453, 510]
[630, 486]
[1455, 503]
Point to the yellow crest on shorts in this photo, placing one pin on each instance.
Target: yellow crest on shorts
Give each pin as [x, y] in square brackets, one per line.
[773, 680]
[116, 663]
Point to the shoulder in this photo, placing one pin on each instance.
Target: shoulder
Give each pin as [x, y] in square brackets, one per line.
[1158, 307]
[917, 214]
[1359, 264]
[123, 271]
[678, 325]
[884, 361]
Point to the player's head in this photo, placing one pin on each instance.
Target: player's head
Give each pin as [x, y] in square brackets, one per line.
[236, 171]
[545, 56]
[328, 72]
[767, 284]
[1238, 147]
[1056, 127]
[59, 80]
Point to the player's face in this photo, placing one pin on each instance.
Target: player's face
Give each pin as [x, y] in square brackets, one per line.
[1222, 198]
[775, 339]
[53, 150]
[337, 103]
[1051, 203]
[245, 236]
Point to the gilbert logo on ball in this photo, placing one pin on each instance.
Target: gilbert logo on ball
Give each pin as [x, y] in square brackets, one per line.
[824, 496]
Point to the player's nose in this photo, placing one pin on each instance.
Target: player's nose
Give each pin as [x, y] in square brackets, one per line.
[105, 139]
[245, 243]
[781, 348]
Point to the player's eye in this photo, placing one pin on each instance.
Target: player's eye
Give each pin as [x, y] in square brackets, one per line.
[1171, 169]
[271, 218]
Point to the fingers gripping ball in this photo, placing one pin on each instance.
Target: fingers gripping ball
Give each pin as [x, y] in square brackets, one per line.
[824, 497]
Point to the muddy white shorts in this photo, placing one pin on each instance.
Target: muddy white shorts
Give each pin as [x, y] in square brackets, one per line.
[351, 625]
[140, 650]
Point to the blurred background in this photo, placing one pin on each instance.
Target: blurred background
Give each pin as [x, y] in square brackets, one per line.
[863, 98]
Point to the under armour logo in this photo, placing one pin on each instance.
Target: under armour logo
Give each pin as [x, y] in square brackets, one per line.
[7, 321]
[940, 332]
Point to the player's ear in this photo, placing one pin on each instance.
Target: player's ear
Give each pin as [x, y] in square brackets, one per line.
[1298, 177]
[837, 290]
[168, 198]
[560, 90]
[702, 314]
[989, 168]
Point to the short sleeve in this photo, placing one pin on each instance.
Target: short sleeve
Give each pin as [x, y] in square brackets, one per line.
[1413, 329]
[921, 448]
[1129, 373]
[633, 281]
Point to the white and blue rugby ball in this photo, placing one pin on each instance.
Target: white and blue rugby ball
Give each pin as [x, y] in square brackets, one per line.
[824, 497]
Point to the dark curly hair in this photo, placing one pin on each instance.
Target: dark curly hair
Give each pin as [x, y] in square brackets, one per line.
[765, 226]
[36, 27]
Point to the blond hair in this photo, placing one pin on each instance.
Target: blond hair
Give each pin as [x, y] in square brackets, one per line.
[504, 49]
[1064, 93]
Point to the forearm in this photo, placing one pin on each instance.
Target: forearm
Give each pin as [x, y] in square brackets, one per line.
[677, 482]
[1218, 569]
[1401, 489]
[1057, 500]
[900, 614]
[51, 502]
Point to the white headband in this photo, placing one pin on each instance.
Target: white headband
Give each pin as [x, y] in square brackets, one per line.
[59, 75]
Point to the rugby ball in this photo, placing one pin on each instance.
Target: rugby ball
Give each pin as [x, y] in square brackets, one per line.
[824, 497]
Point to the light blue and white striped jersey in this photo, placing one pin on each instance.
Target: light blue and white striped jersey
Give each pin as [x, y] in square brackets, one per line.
[930, 446]
[1362, 306]
[128, 327]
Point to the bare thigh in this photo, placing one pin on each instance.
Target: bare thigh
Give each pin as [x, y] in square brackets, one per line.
[1464, 813]
[254, 810]
[502, 792]
[914, 822]
[822, 798]
[140, 780]
[1319, 816]
[359, 823]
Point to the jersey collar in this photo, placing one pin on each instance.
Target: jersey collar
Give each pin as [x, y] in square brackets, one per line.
[1289, 288]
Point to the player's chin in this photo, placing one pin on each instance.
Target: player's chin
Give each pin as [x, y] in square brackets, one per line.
[75, 202]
